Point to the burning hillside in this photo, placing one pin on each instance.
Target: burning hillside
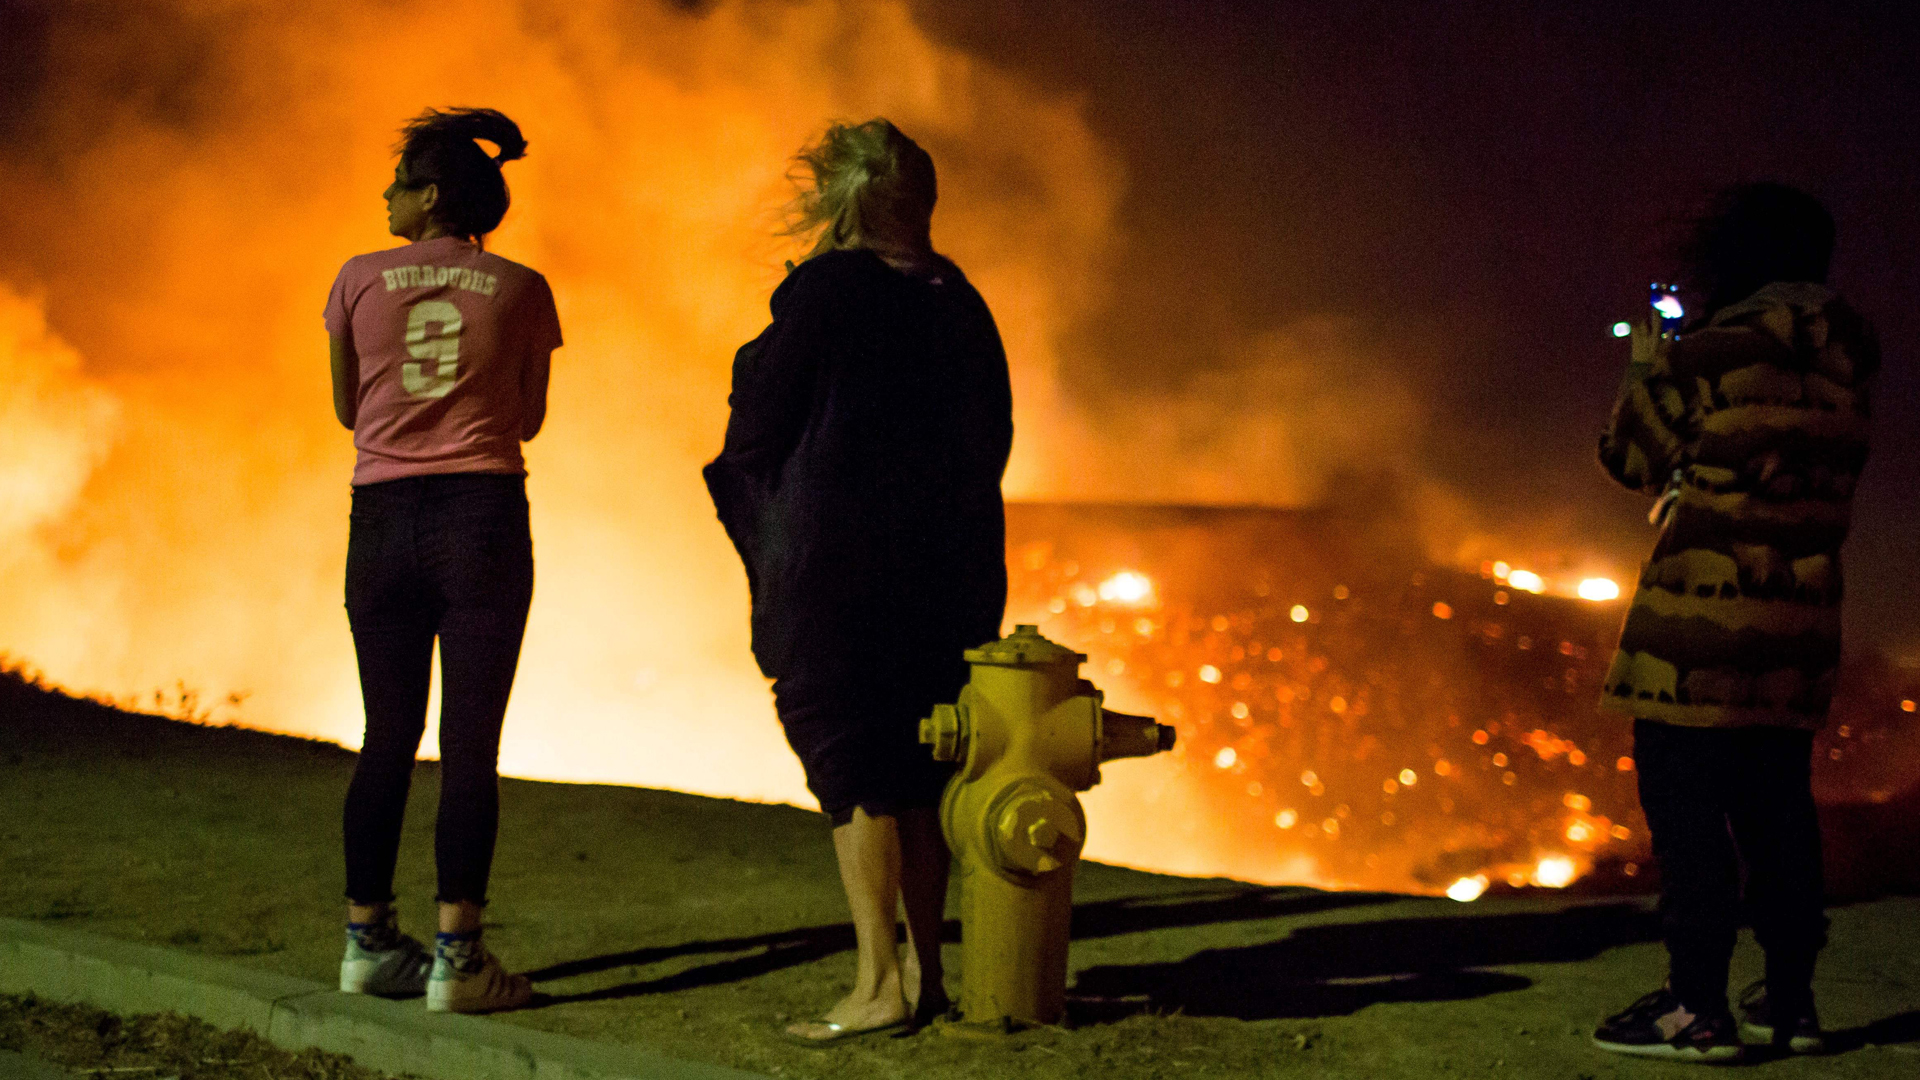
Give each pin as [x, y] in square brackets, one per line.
[1350, 714]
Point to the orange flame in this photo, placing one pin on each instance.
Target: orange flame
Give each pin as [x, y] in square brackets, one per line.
[173, 491]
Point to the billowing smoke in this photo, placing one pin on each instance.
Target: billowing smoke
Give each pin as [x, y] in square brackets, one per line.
[55, 427]
[184, 179]
[1278, 422]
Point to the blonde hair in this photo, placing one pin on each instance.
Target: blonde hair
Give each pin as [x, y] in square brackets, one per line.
[857, 180]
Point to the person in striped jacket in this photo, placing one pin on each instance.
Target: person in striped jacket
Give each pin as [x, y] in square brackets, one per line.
[1750, 424]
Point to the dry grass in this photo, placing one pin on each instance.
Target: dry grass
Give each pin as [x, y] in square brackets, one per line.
[695, 926]
[91, 1042]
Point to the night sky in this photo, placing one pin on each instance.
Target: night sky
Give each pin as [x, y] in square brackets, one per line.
[1478, 190]
[1485, 188]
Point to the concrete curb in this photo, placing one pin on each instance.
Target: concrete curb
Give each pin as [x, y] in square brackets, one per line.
[392, 1036]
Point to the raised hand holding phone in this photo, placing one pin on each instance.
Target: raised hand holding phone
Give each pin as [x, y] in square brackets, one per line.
[1649, 340]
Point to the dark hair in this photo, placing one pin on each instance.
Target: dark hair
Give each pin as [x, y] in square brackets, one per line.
[437, 147]
[1755, 234]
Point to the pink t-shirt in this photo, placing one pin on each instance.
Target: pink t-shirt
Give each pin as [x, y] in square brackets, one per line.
[453, 345]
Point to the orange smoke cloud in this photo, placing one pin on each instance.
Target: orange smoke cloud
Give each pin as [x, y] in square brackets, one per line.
[175, 489]
[1276, 424]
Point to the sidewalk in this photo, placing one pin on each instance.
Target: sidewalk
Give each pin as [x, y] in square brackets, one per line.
[393, 1036]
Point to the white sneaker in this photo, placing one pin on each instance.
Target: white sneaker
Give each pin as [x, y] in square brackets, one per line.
[383, 961]
[469, 979]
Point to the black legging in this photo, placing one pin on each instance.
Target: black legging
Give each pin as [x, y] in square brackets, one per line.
[446, 556]
[1717, 799]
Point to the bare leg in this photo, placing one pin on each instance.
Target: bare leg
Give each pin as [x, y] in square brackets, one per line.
[923, 891]
[869, 853]
[367, 913]
[461, 917]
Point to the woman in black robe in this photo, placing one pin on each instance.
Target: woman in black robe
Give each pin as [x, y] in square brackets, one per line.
[860, 482]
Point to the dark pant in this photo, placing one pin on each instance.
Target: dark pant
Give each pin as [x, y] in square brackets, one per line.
[1717, 799]
[451, 557]
[858, 735]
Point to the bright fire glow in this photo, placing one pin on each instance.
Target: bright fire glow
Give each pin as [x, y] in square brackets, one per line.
[1467, 889]
[1127, 587]
[1599, 588]
[1225, 758]
[1526, 581]
[1554, 872]
[189, 409]
[130, 457]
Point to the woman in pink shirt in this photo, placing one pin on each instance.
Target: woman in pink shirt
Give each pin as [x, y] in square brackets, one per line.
[440, 359]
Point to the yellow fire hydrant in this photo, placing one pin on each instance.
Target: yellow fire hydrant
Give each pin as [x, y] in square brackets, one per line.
[1028, 732]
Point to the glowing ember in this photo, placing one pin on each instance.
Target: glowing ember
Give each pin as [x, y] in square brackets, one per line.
[1526, 581]
[1267, 691]
[1554, 872]
[1442, 610]
[1599, 589]
[1126, 587]
[1365, 744]
[1467, 889]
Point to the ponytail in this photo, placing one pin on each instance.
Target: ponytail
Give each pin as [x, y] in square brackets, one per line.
[438, 147]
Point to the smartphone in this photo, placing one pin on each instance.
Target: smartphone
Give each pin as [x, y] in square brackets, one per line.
[1666, 302]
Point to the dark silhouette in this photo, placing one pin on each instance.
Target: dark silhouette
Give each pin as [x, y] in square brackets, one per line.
[860, 483]
[1751, 427]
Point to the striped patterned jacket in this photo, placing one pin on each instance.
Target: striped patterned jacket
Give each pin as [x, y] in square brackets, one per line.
[1759, 417]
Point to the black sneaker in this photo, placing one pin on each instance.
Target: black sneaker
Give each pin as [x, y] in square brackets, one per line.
[1797, 1035]
[1659, 1026]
